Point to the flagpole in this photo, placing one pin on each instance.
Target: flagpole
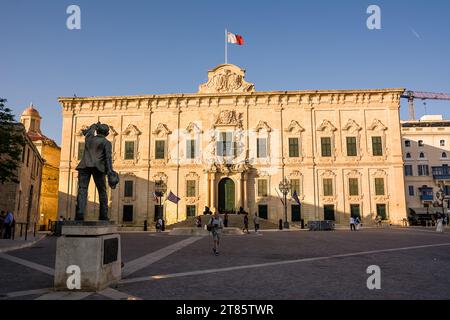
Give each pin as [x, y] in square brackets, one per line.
[226, 46]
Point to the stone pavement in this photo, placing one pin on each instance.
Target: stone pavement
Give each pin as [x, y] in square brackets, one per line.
[269, 265]
[19, 243]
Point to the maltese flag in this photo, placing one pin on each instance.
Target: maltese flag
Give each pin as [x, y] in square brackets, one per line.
[235, 39]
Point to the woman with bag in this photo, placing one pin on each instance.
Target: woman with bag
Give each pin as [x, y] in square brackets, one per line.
[215, 226]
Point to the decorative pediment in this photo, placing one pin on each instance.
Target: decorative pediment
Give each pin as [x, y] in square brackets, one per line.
[263, 126]
[112, 131]
[131, 130]
[295, 174]
[377, 125]
[326, 126]
[354, 174]
[379, 173]
[162, 130]
[160, 176]
[192, 176]
[328, 174]
[229, 118]
[226, 78]
[193, 128]
[294, 127]
[352, 126]
[263, 173]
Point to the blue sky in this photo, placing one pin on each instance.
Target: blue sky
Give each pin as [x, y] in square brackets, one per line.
[145, 47]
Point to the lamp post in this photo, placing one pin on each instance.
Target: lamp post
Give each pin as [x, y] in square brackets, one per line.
[160, 190]
[285, 187]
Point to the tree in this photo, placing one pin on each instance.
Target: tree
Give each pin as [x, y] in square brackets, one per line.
[12, 142]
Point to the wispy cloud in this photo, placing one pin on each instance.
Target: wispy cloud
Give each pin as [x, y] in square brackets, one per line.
[415, 33]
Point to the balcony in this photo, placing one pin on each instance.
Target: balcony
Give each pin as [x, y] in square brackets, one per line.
[441, 173]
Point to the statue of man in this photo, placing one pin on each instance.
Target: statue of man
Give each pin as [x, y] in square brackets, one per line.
[96, 162]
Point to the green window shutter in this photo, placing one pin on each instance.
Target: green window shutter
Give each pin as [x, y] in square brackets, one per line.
[377, 146]
[160, 149]
[190, 188]
[129, 150]
[128, 192]
[326, 146]
[262, 188]
[351, 147]
[379, 186]
[190, 149]
[328, 187]
[295, 186]
[261, 146]
[353, 186]
[293, 148]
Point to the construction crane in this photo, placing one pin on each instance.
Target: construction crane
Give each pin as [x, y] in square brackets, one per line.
[411, 95]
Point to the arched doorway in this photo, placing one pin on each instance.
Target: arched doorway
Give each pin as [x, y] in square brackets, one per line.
[226, 195]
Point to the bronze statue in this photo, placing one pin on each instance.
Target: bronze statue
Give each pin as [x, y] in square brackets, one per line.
[96, 162]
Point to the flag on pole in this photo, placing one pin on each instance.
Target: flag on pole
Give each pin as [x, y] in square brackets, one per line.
[279, 197]
[235, 39]
[295, 197]
[173, 198]
[155, 197]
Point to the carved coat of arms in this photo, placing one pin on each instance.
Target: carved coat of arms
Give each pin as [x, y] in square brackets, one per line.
[226, 78]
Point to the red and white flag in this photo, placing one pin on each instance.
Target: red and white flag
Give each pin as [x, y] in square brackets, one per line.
[235, 39]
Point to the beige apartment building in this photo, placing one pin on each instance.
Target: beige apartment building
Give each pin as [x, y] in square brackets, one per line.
[426, 147]
[229, 146]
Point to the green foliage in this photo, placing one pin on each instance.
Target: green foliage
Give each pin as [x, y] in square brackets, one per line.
[11, 144]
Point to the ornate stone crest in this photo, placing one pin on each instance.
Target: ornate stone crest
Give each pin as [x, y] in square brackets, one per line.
[226, 78]
[229, 118]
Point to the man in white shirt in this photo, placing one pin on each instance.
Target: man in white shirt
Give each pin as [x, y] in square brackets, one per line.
[216, 226]
[352, 224]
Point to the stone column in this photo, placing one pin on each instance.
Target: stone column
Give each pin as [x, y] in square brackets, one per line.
[212, 190]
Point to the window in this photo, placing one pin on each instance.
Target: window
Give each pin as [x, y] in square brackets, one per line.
[293, 148]
[377, 146]
[422, 155]
[224, 145]
[127, 215]
[326, 146]
[381, 211]
[351, 147]
[261, 146]
[411, 190]
[408, 170]
[128, 189]
[407, 143]
[327, 187]
[423, 170]
[442, 143]
[160, 149]
[444, 155]
[191, 211]
[190, 149]
[355, 211]
[379, 186]
[408, 155]
[129, 150]
[262, 188]
[420, 143]
[353, 186]
[80, 150]
[190, 188]
[295, 186]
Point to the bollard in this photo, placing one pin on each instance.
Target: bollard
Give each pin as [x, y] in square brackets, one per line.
[280, 224]
[303, 223]
[145, 225]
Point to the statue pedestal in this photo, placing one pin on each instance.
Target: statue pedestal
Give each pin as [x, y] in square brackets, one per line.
[93, 248]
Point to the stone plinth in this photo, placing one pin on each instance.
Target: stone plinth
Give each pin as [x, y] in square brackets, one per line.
[92, 246]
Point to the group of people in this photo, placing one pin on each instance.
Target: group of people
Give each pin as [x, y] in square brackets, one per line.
[7, 223]
[355, 223]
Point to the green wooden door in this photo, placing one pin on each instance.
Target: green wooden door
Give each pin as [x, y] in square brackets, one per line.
[226, 195]
[328, 212]
[296, 213]
[262, 211]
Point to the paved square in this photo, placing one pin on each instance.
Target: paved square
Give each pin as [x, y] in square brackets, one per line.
[414, 264]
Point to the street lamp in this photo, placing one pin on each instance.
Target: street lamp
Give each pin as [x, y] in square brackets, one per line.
[285, 187]
[160, 190]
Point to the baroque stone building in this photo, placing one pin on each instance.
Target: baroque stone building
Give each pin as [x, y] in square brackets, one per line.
[51, 153]
[229, 146]
[22, 198]
[426, 145]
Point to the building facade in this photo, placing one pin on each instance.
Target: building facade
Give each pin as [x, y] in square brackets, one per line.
[51, 153]
[426, 145]
[22, 198]
[229, 146]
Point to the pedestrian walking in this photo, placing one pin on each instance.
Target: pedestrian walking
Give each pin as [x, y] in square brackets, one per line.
[158, 225]
[225, 220]
[8, 225]
[256, 222]
[215, 226]
[358, 223]
[198, 222]
[352, 224]
[440, 224]
[163, 225]
[2, 222]
[245, 223]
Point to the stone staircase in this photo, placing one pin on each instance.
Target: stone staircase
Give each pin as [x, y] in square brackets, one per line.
[234, 221]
